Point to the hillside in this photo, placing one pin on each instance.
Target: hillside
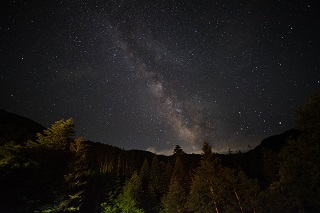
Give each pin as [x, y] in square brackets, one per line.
[17, 128]
[93, 177]
[104, 157]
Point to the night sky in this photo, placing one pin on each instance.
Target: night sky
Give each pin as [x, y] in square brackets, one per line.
[152, 74]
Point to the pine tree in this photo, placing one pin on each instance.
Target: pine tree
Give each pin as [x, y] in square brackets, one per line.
[206, 150]
[167, 174]
[144, 171]
[207, 187]
[175, 199]
[129, 200]
[178, 150]
[76, 178]
[148, 198]
[155, 176]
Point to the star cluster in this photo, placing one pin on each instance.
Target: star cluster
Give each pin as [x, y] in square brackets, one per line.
[152, 74]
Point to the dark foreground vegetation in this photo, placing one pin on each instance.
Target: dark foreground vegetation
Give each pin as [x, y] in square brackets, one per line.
[55, 172]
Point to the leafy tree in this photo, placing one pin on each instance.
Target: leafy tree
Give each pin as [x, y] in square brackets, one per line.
[57, 137]
[300, 165]
[39, 171]
[298, 189]
[216, 188]
[240, 193]
[206, 189]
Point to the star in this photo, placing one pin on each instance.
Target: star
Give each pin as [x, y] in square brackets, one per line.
[133, 70]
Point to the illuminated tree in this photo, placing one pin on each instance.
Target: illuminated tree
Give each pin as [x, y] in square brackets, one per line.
[129, 200]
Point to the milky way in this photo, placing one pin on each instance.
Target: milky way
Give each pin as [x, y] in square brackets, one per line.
[152, 74]
[183, 116]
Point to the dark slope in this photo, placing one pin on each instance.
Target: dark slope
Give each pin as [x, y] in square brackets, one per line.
[109, 159]
[263, 159]
[276, 142]
[17, 128]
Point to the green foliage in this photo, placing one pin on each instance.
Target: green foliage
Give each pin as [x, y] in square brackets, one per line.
[206, 189]
[128, 200]
[216, 188]
[243, 192]
[175, 199]
[58, 136]
[46, 174]
[76, 175]
[55, 174]
[14, 156]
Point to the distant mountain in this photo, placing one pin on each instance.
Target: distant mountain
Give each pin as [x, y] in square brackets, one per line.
[107, 158]
[17, 128]
[276, 142]
[264, 157]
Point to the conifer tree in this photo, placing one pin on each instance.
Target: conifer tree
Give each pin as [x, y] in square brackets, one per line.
[76, 178]
[148, 198]
[129, 199]
[207, 188]
[178, 150]
[175, 199]
[144, 171]
[155, 175]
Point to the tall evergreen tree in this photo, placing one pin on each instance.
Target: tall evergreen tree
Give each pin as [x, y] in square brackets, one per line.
[207, 188]
[206, 150]
[175, 199]
[148, 198]
[145, 170]
[178, 150]
[129, 199]
[155, 176]
[77, 175]
[167, 174]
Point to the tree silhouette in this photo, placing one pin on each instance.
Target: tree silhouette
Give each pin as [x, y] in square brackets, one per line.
[178, 150]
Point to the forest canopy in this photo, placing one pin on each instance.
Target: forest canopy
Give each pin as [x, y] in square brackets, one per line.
[57, 172]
